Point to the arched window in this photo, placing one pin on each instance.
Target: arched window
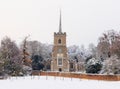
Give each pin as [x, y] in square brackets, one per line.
[59, 61]
[59, 41]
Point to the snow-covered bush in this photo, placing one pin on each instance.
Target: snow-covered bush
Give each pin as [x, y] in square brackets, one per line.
[93, 66]
[37, 63]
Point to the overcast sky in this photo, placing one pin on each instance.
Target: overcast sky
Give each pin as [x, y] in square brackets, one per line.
[83, 20]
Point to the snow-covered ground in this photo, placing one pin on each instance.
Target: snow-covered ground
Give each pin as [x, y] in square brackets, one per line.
[55, 83]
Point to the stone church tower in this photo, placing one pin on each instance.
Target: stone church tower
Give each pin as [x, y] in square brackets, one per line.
[59, 53]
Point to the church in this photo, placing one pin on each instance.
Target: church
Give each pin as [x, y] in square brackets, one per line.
[60, 61]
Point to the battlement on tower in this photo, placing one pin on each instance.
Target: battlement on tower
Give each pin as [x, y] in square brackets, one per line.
[57, 33]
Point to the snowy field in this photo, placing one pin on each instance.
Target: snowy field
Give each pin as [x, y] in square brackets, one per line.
[55, 83]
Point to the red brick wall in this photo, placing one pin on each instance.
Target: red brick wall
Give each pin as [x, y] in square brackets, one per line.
[82, 76]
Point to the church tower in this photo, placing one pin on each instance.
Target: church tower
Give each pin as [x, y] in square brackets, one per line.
[59, 53]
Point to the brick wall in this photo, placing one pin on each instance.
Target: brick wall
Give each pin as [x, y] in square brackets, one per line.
[82, 76]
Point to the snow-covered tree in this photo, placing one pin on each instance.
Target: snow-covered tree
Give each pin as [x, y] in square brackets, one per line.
[108, 51]
[73, 52]
[111, 65]
[40, 54]
[10, 56]
[37, 48]
[78, 56]
[109, 44]
[92, 49]
[46, 51]
[34, 48]
[103, 48]
[78, 53]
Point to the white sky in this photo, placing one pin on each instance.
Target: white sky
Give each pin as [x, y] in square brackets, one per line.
[83, 20]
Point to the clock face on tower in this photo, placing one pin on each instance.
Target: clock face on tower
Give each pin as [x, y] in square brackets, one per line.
[59, 50]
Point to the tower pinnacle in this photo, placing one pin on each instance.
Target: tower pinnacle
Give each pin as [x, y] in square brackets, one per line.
[60, 24]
